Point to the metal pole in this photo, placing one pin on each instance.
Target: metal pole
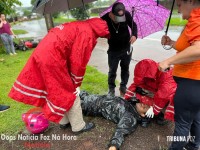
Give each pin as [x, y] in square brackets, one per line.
[169, 17]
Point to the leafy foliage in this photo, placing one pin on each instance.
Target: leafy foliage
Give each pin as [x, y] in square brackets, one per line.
[8, 6]
[81, 13]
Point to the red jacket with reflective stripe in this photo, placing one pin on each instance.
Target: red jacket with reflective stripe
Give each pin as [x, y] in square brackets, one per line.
[57, 67]
[161, 84]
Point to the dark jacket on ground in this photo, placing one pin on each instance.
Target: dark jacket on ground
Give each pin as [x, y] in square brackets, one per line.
[114, 109]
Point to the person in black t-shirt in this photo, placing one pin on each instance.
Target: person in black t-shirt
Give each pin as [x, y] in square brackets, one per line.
[120, 41]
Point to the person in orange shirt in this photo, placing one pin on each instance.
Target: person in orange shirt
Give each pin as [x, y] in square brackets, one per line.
[186, 73]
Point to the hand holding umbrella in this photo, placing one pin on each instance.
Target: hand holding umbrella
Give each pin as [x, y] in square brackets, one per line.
[166, 41]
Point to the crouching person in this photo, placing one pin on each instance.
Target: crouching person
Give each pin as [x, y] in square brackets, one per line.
[54, 72]
[154, 88]
[127, 115]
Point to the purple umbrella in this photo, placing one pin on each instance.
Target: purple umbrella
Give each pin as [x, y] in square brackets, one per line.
[149, 16]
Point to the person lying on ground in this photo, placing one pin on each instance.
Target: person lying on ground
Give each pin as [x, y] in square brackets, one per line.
[126, 114]
[154, 88]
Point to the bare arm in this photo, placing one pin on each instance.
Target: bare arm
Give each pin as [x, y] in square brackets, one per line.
[190, 54]
[12, 32]
[1, 23]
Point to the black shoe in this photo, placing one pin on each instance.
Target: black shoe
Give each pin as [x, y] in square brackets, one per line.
[64, 126]
[88, 127]
[4, 108]
[145, 121]
[160, 119]
[111, 92]
[122, 91]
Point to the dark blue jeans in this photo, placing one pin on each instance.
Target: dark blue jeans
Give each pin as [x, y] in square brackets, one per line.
[114, 58]
[187, 113]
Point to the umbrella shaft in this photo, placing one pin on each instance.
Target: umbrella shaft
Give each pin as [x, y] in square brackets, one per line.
[169, 17]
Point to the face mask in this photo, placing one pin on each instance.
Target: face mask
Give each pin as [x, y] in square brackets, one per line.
[120, 18]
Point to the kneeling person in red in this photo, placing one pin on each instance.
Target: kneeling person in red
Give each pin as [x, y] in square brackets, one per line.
[154, 88]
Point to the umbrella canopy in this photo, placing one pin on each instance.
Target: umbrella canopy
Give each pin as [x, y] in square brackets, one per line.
[149, 16]
[51, 6]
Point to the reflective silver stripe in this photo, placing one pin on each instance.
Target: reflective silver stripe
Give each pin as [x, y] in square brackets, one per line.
[38, 96]
[129, 95]
[130, 91]
[30, 88]
[157, 107]
[28, 94]
[54, 111]
[76, 81]
[77, 77]
[59, 108]
[169, 111]
[171, 106]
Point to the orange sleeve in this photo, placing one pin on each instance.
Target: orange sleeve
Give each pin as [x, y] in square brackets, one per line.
[193, 26]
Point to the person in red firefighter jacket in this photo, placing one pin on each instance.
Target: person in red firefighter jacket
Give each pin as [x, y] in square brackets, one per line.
[154, 88]
[54, 72]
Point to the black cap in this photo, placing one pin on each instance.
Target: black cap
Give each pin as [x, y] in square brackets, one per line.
[115, 10]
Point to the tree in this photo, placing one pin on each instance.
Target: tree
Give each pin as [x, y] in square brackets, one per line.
[7, 6]
[81, 13]
[33, 2]
[27, 13]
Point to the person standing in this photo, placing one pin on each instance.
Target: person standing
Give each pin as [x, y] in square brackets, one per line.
[55, 71]
[6, 34]
[186, 73]
[120, 41]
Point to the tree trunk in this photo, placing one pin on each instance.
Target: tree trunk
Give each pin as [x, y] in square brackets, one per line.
[49, 21]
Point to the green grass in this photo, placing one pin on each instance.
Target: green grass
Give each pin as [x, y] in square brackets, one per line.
[61, 20]
[11, 123]
[17, 32]
[177, 22]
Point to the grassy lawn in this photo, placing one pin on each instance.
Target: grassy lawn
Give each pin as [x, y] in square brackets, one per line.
[17, 32]
[11, 123]
[61, 20]
[177, 22]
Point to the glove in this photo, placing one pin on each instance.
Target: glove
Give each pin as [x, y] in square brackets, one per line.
[77, 92]
[150, 112]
